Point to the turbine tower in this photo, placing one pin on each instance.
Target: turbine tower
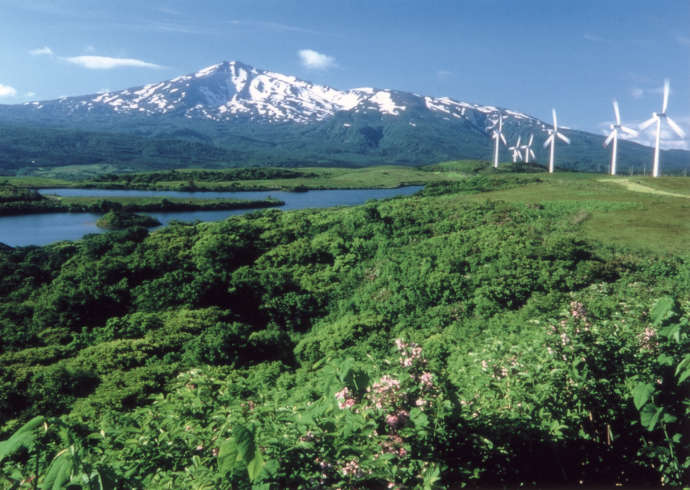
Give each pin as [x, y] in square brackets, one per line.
[551, 140]
[516, 149]
[613, 135]
[528, 149]
[656, 118]
[497, 135]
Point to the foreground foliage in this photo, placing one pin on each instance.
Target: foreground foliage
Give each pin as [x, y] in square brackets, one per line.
[417, 342]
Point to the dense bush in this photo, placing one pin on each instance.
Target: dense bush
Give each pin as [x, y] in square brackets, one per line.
[417, 342]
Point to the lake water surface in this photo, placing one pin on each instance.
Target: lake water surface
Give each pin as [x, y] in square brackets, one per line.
[42, 229]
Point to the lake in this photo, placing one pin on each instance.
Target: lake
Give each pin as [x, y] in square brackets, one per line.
[45, 228]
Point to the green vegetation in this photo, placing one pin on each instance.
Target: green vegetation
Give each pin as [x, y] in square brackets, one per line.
[15, 200]
[485, 332]
[119, 220]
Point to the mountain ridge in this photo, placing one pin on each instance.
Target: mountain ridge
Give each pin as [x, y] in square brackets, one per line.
[267, 117]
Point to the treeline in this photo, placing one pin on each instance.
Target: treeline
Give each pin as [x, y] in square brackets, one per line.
[418, 342]
[144, 180]
[77, 205]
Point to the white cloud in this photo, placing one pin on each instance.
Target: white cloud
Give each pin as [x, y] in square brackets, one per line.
[7, 91]
[314, 59]
[45, 50]
[107, 63]
[444, 74]
[90, 48]
[637, 92]
[31, 94]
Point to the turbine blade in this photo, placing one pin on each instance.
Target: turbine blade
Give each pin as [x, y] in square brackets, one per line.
[518, 141]
[610, 137]
[548, 140]
[616, 109]
[667, 89]
[503, 138]
[675, 127]
[648, 122]
[531, 139]
[531, 152]
[631, 132]
[555, 121]
[563, 137]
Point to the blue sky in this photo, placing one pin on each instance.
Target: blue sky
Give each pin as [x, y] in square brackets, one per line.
[527, 56]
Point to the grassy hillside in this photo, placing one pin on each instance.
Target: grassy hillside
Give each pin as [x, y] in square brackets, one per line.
[493, 330]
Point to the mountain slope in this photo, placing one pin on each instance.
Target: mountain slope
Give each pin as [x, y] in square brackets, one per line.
[256, 116]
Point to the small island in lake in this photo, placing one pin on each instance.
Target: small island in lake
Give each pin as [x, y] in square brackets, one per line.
[118, 220]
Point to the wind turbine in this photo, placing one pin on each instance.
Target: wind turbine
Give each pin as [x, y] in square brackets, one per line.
[551, 140]
[613, 135]
[528, 148]
[516, 150]
[656, 118]
[497, 135]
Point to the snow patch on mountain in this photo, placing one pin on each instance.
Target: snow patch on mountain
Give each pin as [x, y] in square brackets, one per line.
[232, 90]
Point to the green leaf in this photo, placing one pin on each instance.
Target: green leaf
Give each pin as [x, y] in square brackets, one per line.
[227, 456]
[255, 466]
[24, 437]
[431, 476]
[244, 440]
[641, 394]
[663, 310]
[649, 416]
[59, 471]
[419, 419]
[683, 369]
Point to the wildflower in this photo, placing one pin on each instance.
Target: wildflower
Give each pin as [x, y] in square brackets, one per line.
[647, 338]
[392, 420]
[420, 402]
[351, 468]
[427, 379]
[349, 403]
[342, 394]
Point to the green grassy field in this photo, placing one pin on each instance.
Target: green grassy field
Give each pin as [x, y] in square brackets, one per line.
[638, 212]
[640, 216]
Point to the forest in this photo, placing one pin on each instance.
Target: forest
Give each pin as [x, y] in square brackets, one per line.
[489, 331]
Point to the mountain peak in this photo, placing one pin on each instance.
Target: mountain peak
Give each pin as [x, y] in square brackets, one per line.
[224, 67]
[233, 90]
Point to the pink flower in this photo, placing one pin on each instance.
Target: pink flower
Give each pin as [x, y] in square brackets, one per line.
[342, 394]
[392, 420]
[427, 379]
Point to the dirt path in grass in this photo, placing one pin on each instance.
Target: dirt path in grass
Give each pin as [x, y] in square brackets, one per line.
[637, 187]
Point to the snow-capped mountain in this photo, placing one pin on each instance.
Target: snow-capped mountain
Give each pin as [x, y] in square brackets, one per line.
[243, 115]
[232, 90]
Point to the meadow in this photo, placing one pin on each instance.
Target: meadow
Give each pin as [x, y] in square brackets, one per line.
[497, 329]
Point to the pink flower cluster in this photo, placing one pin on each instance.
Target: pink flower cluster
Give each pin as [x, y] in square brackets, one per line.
[345, 399]
[385, 392]
[410, 353]
[397, 418]
[352, 469]
[577, 310]
[427, 379]
[648, 338]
